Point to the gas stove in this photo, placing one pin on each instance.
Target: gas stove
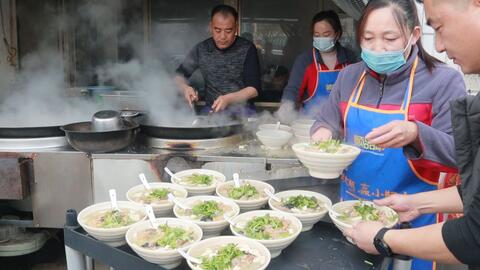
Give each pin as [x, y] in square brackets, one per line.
[198, 144]
[20, 144]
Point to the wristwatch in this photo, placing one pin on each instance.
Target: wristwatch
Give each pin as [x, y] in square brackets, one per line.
[381, 246]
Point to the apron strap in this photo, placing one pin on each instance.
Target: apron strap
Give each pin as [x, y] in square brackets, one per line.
[408, 94]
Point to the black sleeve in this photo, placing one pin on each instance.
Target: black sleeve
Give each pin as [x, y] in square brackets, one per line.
[251, 70]
[189, 65]
[462, 235]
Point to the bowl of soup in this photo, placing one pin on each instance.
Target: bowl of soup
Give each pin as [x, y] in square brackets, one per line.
[110, 225]
[347, 213]
[158, 244]
[250, 195]
[157, 197]
[229, 252]
[208, 212]
[275, 230]
[198, 181]
[308, 206]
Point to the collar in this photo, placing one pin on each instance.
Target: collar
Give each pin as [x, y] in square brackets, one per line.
[341, 55]
[212, 46]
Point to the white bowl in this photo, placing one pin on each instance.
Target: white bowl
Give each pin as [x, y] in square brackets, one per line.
[303, 124]
[199, 190]
[275, 246]
[247, 205]
[111, 236]
[307, 219]
[274, 127]
[167, 258]
[163, 209]
[274, 139]
[197, 249]
[302, 139]
[325, 165]
[341, 225]
[302, 132]
[210, 228]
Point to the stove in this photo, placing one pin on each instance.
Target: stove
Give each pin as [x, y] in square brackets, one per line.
[32, 143]
[173, 144]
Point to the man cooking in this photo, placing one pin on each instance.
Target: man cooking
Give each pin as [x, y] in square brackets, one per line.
[228, 63]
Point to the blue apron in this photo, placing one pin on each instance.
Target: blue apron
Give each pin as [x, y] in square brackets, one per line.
[325, 81]
[377, 172]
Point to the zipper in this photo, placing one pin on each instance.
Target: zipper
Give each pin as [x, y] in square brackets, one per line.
[382, 88]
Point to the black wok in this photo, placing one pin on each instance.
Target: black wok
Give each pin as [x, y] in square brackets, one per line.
[202, 128]
[82, 137]
[31, 132]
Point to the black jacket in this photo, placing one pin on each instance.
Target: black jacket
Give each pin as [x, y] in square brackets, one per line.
[462, 236]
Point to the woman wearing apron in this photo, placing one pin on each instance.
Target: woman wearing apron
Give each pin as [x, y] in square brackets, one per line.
[315, 71]
[393, 103]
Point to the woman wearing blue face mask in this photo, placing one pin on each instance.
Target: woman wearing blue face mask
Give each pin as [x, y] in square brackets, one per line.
[394, 105]
[315, 71]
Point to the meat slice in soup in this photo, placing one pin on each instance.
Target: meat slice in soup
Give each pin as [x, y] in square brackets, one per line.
[300, 204]
[206, 211]
[232, 256]
[266, 227]
[164, 236]
[109, 218]
[366, 211]
[155, 196]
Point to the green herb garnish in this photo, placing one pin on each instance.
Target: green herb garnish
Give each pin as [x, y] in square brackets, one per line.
[200, 179]
[207, 210]
[115, 219]
[300, 202]
[328, 146]
[246, 190]
[256, 228]
[173, 236]
[223, 259]
[367, 211]
[158, 193]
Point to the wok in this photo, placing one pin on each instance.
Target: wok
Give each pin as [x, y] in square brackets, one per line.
[82, 137]
[204, 127]
[31, 132]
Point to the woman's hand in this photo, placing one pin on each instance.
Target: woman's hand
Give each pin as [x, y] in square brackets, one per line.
[402, 204]
[395, 134]
[322, 134]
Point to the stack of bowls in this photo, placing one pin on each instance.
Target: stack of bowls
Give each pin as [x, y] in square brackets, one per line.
[301, 130]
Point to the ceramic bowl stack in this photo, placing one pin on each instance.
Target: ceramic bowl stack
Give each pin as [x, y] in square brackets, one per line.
[307, 219]
[163, 209]
[325, 165]
[165, 257]
[301, 130]
[111, 236]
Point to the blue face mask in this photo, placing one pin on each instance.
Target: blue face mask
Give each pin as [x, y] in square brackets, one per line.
[384, 62]
[323, 44]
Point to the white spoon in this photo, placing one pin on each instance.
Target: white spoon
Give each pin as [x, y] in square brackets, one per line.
[171, 174]
[271, 195]
[150, 215]
[278, 125]
[177, 202]
[144, 181]
[113, 199]
[236, 180]
[188, 257]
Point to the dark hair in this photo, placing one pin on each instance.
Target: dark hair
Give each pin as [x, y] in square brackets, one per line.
[331, 17]
[405, 14]
[225, 10]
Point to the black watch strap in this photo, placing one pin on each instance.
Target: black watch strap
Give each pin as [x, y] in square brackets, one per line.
[381, 246]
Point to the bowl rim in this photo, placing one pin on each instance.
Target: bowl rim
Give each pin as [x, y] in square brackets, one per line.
[155, 185]
[343, 224]
[221, 176]
[264, 212]
[88, 209]
[272, 189]
[236, 209]
[189, 223]
[234, 239]
[299, 148]
[322, 197]
[266, 126]
[283, 134]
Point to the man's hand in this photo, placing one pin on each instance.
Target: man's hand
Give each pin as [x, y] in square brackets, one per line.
[395, 134]
[402, 204]
[221, 103]
[363, 233]
[322, 134]
[190, 95]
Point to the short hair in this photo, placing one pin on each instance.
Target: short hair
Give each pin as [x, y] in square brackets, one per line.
[331, 17]
[225, 10]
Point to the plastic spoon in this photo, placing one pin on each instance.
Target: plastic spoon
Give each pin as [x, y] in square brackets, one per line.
[171, 174]
[113, 199]
[188, 257]
[236, 180]
[271, 195]
[278, 125]
[144, 181]
[150, 215]
[177, 202]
